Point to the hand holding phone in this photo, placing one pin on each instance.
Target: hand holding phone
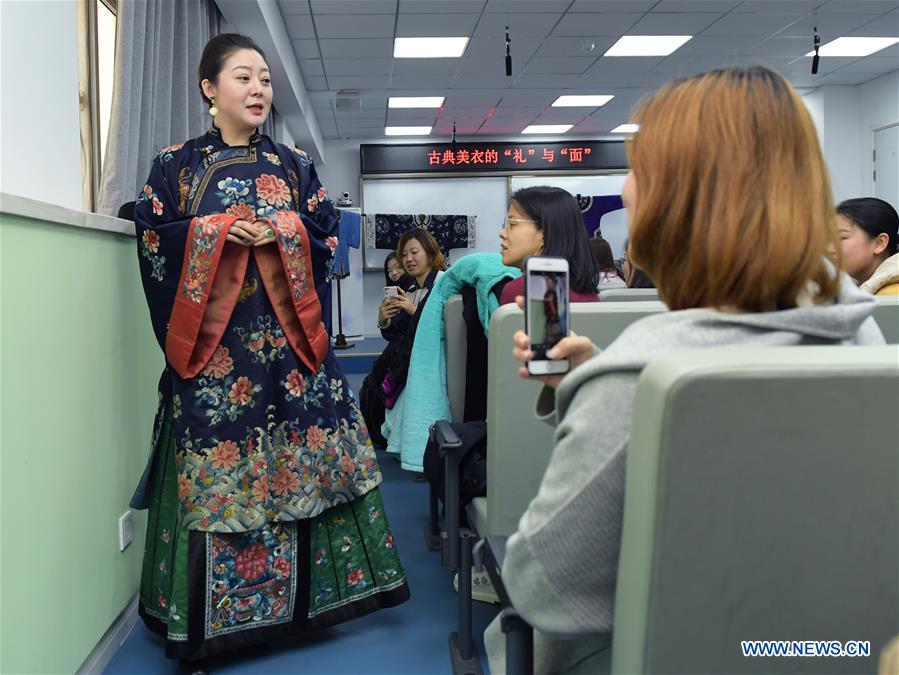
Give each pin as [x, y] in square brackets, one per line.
[546, 312]
[576, 348]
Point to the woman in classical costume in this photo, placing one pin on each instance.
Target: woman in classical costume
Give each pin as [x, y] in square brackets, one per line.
[265, 520]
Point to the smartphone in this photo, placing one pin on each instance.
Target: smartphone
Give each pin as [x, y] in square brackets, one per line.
[391, 292]
[546, 311]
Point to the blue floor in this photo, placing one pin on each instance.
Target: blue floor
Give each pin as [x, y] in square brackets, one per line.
[411, 638]
[359, 359]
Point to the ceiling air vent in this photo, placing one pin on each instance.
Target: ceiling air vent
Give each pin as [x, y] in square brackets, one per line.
[348, 101]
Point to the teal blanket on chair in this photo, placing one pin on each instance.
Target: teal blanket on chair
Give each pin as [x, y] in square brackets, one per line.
[425, 397]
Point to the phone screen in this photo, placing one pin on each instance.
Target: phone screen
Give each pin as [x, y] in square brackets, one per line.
[547, 310]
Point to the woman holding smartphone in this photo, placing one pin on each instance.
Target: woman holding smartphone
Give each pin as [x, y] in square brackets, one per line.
[725, 169]
[421, 259]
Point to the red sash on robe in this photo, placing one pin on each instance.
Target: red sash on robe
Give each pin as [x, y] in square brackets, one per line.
[212, 276]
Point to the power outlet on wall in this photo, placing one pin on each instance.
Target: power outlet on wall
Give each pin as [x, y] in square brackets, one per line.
[126, 530]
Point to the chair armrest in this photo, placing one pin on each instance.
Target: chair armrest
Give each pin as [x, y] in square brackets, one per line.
[448, 446]
[445, 437]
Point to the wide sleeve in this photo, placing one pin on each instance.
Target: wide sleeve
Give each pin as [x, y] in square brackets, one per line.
[319, 217]
[161, 236]
[179, 260]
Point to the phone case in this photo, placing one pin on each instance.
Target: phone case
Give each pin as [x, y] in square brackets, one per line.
[567, 365]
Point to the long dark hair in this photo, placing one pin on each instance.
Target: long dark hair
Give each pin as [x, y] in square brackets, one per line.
[875, 217]
[602, 255]
[557, 215]
[217, 51]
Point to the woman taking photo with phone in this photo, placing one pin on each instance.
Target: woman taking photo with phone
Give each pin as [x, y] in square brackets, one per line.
[725, 169]
[421, 260]
[262, 471]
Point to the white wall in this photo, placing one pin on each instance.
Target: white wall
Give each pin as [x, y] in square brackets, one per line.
[40, 141]
[339, 172]
[879, 106]
[843, 139]
[845, 117]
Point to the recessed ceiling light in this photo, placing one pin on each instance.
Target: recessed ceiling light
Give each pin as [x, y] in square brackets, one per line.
[582, 101]
[625, 128]
[647, 45]
[407, 131]
[547, 129]
[415, 101]
[855, 46]
[429, 47]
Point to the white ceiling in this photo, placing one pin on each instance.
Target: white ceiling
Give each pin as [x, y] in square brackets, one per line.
[348, 45]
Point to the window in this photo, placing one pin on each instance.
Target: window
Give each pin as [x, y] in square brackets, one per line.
[96, 37]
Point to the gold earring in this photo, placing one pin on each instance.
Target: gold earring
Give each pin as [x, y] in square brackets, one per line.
[212, 109]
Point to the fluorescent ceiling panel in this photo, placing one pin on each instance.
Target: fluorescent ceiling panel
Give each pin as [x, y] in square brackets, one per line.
[625, 128]
[647, 45]
[415, 101]
[407, 131]
[429, 47]
[855, 46]
[582, 101]
[547, 129]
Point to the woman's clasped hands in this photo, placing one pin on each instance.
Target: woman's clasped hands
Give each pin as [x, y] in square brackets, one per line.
[257, 233]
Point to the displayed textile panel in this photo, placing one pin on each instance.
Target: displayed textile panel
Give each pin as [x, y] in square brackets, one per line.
[383, 230]
[594, 208]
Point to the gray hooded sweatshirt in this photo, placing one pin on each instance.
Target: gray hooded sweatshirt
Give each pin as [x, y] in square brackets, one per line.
[562, 563]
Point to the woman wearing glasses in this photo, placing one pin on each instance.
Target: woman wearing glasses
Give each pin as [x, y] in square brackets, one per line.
[546, 221]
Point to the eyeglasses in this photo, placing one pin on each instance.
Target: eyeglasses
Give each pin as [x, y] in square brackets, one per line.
[507, 221]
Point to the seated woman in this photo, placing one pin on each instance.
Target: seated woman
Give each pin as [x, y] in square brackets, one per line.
[752, 223]
[869, 234]
[608, 273]
[421, 259]
[546, 221]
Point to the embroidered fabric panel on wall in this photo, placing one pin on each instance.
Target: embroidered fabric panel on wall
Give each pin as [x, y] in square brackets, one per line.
[594, 208]
[383, 230]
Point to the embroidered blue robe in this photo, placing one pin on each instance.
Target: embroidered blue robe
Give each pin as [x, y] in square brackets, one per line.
[263, 421]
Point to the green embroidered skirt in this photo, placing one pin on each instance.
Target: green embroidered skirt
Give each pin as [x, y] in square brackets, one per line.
[208, 593]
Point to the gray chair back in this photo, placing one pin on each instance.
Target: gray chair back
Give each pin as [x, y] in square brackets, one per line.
[886, 314]
[628, 294]
[760, 503]
[518, 444]
[456, 355]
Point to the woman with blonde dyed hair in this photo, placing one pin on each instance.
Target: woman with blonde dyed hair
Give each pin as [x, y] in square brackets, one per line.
[729, 212]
